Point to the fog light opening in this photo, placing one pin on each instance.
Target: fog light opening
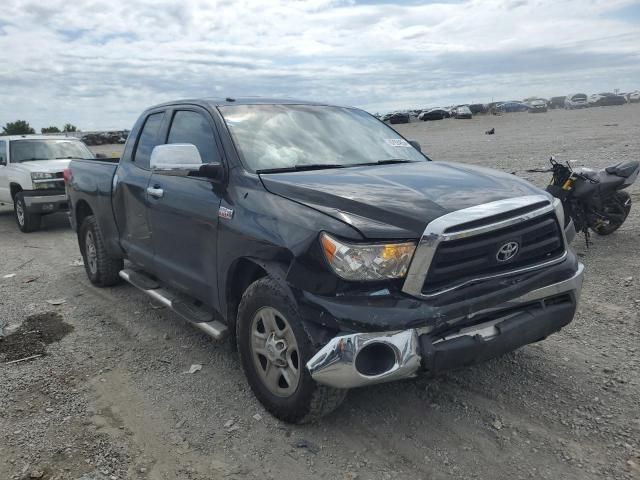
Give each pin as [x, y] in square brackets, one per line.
[375, 359]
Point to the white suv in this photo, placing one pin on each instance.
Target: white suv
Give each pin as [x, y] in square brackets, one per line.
[32, 175]
[576, 100]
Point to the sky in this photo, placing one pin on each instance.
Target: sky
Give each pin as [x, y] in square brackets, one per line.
[99, 64]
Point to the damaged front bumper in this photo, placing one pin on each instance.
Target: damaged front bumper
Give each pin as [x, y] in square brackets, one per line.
[359, 359]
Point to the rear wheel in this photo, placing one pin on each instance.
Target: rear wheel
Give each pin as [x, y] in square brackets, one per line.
[614, 213]
[274, 350]
[27, 222]
[101, 269]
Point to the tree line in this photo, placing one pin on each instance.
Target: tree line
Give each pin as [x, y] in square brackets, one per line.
[22, 127]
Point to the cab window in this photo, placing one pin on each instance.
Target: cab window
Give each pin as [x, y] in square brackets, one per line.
[192, 127]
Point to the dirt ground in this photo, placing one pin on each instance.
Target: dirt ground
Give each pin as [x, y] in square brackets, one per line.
[109, 397]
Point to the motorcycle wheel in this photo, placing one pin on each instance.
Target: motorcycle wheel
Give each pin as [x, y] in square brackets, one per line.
[619, 204]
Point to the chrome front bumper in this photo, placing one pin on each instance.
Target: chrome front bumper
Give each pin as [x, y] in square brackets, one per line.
[336, 364]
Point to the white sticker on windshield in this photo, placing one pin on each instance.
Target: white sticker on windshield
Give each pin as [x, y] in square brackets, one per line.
[397, 142]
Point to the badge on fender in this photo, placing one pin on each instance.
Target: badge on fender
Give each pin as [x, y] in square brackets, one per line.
[226, 213]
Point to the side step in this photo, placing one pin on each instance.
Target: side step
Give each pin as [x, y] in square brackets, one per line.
[197, 315]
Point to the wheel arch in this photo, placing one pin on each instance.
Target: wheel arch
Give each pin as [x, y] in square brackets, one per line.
[14, 189]
[82, 211]
[242, 273]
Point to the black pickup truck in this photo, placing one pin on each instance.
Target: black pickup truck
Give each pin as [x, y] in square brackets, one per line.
[328, 247]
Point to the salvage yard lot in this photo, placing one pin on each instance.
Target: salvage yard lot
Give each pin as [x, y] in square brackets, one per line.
[111, 396]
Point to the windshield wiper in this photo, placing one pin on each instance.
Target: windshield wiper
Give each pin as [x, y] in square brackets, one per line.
[301, 167]
[388, 161]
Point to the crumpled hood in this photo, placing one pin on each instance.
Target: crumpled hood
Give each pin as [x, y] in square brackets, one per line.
[398, 200]
[46, 166]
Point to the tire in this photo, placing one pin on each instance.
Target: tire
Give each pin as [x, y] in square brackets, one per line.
[299, 399]
[27, 222]
[620, 204]
[101, 269]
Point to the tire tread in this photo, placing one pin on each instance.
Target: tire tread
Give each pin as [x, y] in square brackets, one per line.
[108, 267]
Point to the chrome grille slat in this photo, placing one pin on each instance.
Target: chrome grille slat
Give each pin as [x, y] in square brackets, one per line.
[539, 240]
[447, 228]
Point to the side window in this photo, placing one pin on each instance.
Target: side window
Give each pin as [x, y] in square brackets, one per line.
[3, 152]
[193, 127]
[149, 138]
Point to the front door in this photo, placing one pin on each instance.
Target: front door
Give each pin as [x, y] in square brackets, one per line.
[184, 219]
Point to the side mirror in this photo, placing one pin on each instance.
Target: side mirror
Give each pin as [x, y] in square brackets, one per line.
[415, 144]
[183, 159]
[100, 155]
[174, 157]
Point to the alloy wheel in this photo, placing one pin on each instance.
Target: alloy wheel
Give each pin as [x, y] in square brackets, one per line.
[20, 213]
[91, 252]
[275, 352]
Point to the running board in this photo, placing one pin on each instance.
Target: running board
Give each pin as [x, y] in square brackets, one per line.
[197, 315]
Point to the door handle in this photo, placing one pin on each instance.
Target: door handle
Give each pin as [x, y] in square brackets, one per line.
[155, 192]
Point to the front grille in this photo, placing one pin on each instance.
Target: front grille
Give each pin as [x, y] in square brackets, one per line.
[457, 261]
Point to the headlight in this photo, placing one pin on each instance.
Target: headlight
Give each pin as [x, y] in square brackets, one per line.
[42, 175]
[358, 262]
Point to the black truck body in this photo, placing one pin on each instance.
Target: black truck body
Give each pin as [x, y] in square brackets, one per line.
[227, 241]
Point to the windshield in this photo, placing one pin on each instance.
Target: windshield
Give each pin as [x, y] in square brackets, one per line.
[28, 150]
[288, 136]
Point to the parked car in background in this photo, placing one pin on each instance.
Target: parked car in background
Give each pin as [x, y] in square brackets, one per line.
[462, 111]
[537, 106]
[477, 108]
[606, 99]
[633, 97]
[298, 229]
[31, 175]
[510, 107]
[105, 138]
[576, 100]
[434, 114]
[593, 99]
[398, 117]
[557, 102]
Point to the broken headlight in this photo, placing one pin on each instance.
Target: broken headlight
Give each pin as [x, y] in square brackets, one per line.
[367, 262]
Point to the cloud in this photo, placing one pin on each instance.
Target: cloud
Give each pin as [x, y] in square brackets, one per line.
[99, 64]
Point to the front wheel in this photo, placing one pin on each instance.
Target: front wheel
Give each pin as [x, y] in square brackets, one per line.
[614, 213]
[274, 350]
[27, 222]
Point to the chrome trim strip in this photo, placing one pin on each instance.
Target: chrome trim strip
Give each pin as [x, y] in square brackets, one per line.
[571, 284]
[44, 199]
[334, 364]
[48, 180]
[434, 234]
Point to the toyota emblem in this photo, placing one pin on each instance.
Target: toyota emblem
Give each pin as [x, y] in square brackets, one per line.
[507, 251]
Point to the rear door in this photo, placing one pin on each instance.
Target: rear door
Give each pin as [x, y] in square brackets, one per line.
[184, 219]
[130, 192]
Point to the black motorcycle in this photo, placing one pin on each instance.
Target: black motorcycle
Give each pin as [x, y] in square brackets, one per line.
[593, 198]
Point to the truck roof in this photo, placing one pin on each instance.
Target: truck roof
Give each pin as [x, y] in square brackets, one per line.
[220, 102]
[37, 137]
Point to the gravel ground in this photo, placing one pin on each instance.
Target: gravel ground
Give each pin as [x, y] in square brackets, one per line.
[109, 397]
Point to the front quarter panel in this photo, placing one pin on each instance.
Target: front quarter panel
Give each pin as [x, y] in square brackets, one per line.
[265, 227]
[17, 174]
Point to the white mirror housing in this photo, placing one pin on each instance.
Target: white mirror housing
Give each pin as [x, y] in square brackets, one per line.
[175, 156]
